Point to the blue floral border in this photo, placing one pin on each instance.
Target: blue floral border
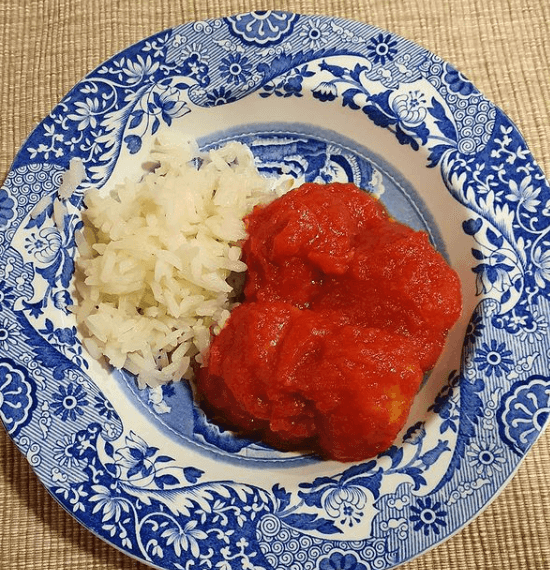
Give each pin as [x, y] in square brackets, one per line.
[488, 414]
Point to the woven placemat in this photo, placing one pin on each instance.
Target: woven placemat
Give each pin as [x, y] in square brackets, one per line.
[46, 46]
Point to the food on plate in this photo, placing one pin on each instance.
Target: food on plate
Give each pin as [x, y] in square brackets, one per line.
[299, 379]
[345, 309]
[342, 311]
[155, 255]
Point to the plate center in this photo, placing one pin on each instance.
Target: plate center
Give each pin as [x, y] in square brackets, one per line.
[293, 151]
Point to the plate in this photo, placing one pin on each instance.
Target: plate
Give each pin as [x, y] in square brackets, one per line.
[321, 99]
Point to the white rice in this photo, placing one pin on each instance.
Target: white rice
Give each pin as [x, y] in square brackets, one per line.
[154, 257]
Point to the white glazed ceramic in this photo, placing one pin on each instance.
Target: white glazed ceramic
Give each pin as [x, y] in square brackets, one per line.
[321, 99]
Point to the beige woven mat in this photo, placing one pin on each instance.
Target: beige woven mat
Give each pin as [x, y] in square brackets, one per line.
[48, 45]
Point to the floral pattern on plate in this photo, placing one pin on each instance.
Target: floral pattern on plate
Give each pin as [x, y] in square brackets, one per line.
[321, 99]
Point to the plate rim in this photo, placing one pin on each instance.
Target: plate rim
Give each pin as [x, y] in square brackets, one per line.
[91, 74]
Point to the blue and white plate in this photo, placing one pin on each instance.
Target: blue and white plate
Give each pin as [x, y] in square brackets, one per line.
[319, 98]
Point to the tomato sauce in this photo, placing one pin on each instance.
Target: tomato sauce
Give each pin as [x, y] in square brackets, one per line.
[345, 309]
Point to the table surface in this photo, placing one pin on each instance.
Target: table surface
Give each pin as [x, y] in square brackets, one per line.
[46, 46]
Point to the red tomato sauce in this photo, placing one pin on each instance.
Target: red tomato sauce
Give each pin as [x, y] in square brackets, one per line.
[345, 309]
